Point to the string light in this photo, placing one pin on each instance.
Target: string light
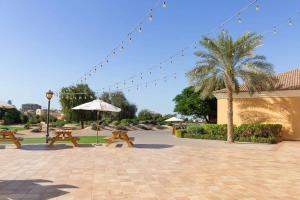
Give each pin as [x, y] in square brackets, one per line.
[150, 16]
[274, 30]
[218, 28]
[257, 7]
[239, 18]
[290, 22]
[140, 29]
[223, 30]
[164, 5]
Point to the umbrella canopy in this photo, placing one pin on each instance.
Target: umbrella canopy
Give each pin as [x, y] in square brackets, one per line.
[6, 105]
[174, 119]
[98, 105]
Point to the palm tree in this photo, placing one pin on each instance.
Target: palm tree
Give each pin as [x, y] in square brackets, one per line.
[224, 62]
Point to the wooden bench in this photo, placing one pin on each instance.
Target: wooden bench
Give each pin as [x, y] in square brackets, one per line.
[9, 136]
[63, 135]
[119, 135]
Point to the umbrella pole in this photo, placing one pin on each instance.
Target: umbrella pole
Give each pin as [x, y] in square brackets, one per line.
[97, 125]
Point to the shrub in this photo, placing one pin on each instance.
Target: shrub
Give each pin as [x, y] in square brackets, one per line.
[121, 128]
[125, 122]
[215, 129]
[180, 133]
[58, 123]
[266, 133]
[260, 133]
[195, 130]
[27, 126]
[115, 123]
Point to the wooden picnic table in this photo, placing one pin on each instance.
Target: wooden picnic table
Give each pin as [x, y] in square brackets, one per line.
[9, 136]
[118, 135]
[63, 135]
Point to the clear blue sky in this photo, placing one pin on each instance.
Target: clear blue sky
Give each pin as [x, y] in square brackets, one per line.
[48, 44]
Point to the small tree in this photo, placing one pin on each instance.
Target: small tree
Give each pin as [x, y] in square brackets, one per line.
[128, 110]
[73, 96]
[190, 103]
[12, 116]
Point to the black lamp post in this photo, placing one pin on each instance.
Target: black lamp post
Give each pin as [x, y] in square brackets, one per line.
[49, 96]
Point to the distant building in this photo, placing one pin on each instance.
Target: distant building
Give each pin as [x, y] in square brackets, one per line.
[29, 107]
[54, 113]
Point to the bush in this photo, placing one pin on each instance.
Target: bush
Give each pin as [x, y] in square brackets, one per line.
[115, 123]
[260, 133]
[125, 122]
[121, 128]
[58, 124]
[195, 130]
[265, 133]
[27, 126]
[180, 133]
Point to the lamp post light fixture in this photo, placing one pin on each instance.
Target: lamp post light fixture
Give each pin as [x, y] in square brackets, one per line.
[49, 96]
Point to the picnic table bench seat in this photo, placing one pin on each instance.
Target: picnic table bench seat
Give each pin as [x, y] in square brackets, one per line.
[63, 135]
[119, 135]
[9, 136]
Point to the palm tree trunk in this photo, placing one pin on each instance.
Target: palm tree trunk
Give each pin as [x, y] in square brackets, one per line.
[229, 116]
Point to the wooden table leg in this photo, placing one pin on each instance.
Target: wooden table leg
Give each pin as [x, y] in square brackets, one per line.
[53, 140]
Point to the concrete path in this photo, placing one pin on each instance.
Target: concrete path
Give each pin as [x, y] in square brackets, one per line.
[159, 167]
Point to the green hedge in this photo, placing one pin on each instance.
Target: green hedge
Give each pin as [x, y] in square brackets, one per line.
[180, 133]
[260, 133]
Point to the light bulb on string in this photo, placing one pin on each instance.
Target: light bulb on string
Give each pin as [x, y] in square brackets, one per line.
[239, 18]
[182, 53]
[257, 7]
[129, 37]
[164, 5]
[140, 29]
[195, 45]
[290, 22]
[174, 75]
[223, 31]
[274, 30]
[150, 16]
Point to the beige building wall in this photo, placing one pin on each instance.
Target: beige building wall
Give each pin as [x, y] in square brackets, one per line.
[280, 108]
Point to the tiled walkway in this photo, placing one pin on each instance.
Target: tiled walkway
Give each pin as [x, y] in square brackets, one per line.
[151, 172]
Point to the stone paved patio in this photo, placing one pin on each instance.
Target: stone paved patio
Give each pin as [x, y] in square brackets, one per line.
[182, 170]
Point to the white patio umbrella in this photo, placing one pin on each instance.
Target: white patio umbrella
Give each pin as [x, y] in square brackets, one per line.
[6, 105]
[98, 105]
[174, 119]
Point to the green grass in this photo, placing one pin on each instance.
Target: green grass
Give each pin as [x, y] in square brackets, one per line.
[42, 140]
[12, 128]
